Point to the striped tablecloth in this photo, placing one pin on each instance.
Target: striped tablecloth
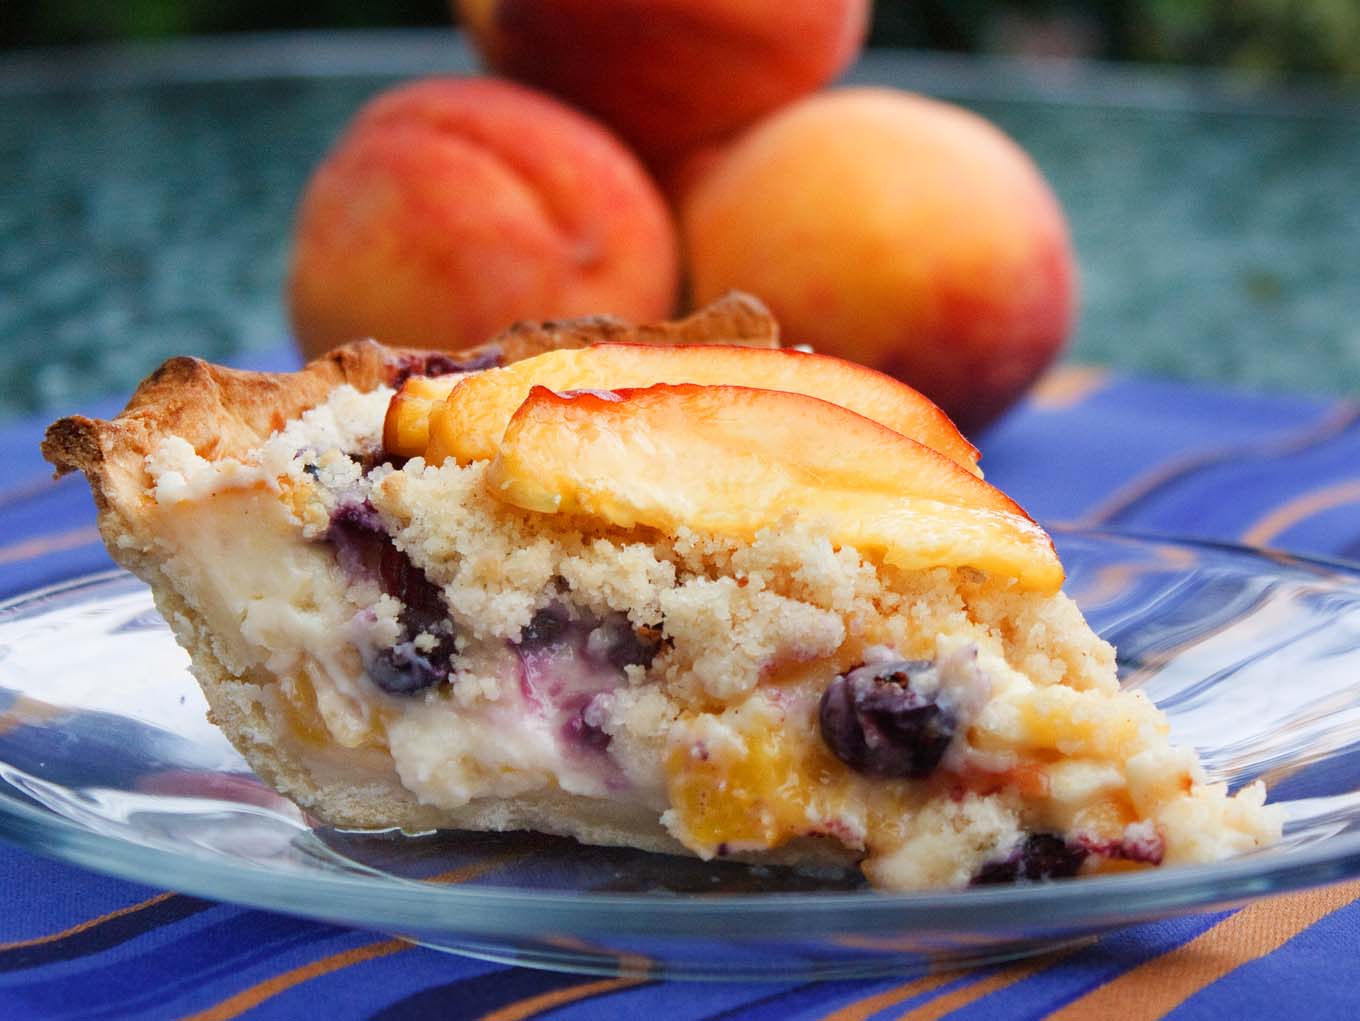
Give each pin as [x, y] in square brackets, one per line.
[1086, 448]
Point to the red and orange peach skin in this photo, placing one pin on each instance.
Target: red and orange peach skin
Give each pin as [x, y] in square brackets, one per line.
[452, 208]
[669, 75]
[905, 233]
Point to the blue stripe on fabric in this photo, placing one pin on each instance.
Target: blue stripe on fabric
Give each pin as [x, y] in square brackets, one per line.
[1317, 451]
[1334, 776]
[478, 995]
[1314, 975]
[104, 937]
[54, 568]
[750, 1001]
[148, 947]
[69, 896]
[52, 509]
[1131, 427]
[1224, 500]
[364, 989]
[140, 979]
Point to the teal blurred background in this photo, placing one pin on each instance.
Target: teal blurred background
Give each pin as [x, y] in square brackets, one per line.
[1279, 38]
[1207, 155]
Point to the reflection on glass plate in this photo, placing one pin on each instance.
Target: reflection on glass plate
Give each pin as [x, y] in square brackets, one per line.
[106, 760]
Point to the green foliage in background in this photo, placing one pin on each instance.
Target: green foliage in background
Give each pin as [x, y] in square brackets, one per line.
[28, 22]
[1271, 36]
[1277, 38]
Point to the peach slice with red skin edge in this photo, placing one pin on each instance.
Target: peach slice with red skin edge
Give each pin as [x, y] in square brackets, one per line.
[470, 424]
[732, 460]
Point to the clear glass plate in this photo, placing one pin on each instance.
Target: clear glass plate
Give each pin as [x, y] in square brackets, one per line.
[106, 761]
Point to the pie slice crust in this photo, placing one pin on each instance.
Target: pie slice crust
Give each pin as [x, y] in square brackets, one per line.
[390, 644]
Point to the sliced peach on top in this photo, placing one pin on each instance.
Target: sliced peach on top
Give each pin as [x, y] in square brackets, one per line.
[732, 460]
[735, 319]
[469, 425]
[406, 429]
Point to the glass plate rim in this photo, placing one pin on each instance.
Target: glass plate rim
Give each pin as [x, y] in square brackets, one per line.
[1101, 900]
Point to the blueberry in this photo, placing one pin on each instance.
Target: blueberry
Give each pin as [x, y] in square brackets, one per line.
[622, 645]
[370, 459]
[352, 520]
[438, 363]
[874, 722]
[546, 627]
[402, 670]
[356, 531]
[581, 731]
[364, 549]
[1038, 856]
[403, 580]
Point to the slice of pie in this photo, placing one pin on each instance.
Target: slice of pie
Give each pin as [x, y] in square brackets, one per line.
[717, 600]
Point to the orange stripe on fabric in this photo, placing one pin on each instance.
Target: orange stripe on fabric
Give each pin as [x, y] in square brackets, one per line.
[1067, 386]
[957, 999]
[1163, 983]
[635, 965]
[464, 873]
[250, 998]
[25, 712]
[11, 495]
[30, 548]
[88, 924]
[1286, 516]
[870, 1005]
[558, 997]
[629, 965]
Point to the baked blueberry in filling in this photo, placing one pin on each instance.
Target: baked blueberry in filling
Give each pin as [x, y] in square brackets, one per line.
[546, 627]
[609, 643]
[356, 531]
[570, 665]
[420, 658]
[583, 727]
[404, 669]
[438, 363]
[615, 641]
[877, 724]
[1038, 856]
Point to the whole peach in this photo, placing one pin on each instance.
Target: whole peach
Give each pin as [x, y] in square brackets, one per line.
[670, 74]
[902, 232]
[452, 208]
